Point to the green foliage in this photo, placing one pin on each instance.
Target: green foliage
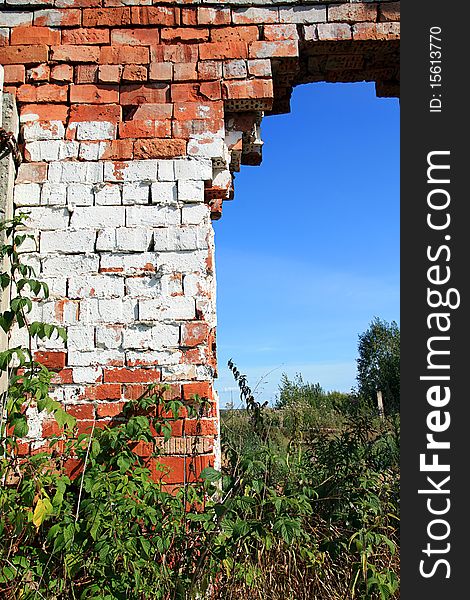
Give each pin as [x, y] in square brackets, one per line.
[303, 511]
[378, 365]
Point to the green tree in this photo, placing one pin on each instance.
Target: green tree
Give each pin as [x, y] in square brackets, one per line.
[378, 365]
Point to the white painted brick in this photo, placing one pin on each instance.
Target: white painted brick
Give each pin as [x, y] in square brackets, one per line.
[132, 239]
[68, 149]
[222, 178]
[109, 194]
[193, 168]
[75, 172]
[207, 146]
[96, 130]
[99, 286]
[196, 285]
[43, 130]
[87, 374]
[191, 191]
[164, 192]
[143, 287]
[129, 263]
[15, 19]
[57, 286]
[30, 243]
[195, 214]
[80, 195]
[64, 312]
[109, 337]
[137, 170]
[172, 308]
[81, 337]
[166, 170]
[68, 242]
[27, 194]
[179, 238]
[171, 284]
[152, 216]
[135, 193]
[154, 357]
[54, 194]
[116, 310]
[182, 262]
[106, 240]
[179, 372]
[78, 358]
[62, 265]
[39, 151]
[89, 151]
[98, 216]
[302, 14]
[206, 309]
[46, 218]
[156, 337]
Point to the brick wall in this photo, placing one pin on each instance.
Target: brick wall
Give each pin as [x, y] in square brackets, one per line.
[134, 115]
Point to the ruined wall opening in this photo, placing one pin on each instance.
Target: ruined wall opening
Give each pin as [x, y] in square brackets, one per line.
[308, 252]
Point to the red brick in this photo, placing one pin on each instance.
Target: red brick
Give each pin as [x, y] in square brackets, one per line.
[86, 74]
[106, 17]
[78, 3]
[376, 31]
[134, 73]
[142, 449]
[248, 33]
[389, 11]
[161, 71]
[213, 16]
[50, 428]
[152, 93]
[286, 48]
[184, 34]
[92, 112]
[154, 111]
[109, 409]
[42, 93]
[253, 88]
[153, 15]
[34, 35]
[209, 69]
[131, 376]
[148, 128]
[64, 376]
[85, 35]
[14, 73]
[185, 72]
[86, 426]
[211, 90]
[158, 148]
[73, 468]
[200, 427]
[179, 469]
[188, 16]
[176, 53]
[94, 94]
[118, 150]
[55, 361]
[81, 411]
[352, 13]
[32, 173]
[176, 429]
[109, 73]
[44, 112]
[201, 388]
[106, 391]
[57, 18]
[62, 73]
[280, 32]
[17, 55]
[124, 55]
[184, 92]
[223, 50]
[194, 333]
[140, 37]
[72, 54]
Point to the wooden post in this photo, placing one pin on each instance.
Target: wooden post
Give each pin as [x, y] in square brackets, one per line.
[380, 404]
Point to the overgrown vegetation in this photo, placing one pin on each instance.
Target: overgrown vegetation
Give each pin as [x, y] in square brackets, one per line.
[306, 505]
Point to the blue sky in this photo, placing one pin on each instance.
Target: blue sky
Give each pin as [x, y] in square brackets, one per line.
[308, 251]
